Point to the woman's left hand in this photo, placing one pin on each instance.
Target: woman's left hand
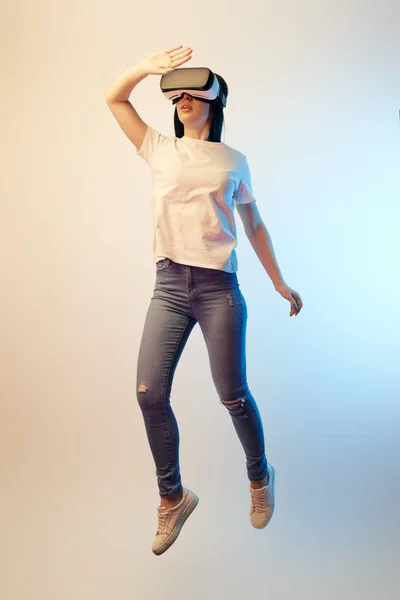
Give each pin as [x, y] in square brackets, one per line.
[286, 292]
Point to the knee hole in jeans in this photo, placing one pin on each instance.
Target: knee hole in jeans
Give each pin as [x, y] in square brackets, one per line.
[237, 408]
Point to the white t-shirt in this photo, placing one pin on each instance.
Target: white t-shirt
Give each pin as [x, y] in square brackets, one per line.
[196, 184]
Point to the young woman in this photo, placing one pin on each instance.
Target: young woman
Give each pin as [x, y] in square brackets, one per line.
[198, 181]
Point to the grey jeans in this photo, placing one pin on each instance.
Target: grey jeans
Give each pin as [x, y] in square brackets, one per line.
[183, 296]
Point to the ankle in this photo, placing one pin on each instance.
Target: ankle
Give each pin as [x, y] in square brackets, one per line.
[171, 501]
[256, 485]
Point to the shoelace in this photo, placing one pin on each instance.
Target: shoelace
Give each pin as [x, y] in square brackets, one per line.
[259, 500]
[162, 522]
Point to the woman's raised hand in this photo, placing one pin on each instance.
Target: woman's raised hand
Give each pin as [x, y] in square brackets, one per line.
[165, 61]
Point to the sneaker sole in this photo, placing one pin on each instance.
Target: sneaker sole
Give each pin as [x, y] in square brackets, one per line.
[178, 527]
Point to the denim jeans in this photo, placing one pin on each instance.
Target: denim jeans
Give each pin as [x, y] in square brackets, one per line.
[183, 296]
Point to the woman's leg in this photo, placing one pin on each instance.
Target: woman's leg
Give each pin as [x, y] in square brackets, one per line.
[222, 316]
[165, 334]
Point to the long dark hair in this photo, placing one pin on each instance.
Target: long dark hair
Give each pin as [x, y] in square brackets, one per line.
[217, 121]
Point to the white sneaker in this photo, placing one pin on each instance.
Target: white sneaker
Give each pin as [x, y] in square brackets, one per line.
[171, 520]
[263, 502]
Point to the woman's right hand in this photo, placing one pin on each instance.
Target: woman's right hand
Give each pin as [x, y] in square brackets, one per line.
[165, 61]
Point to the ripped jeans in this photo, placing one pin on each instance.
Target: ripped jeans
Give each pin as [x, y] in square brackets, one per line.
[184, 296]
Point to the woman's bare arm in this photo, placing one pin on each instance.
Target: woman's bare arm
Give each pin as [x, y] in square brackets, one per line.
[117, 98]
[117, 95]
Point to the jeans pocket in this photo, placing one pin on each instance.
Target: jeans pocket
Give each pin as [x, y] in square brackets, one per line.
[162, 264]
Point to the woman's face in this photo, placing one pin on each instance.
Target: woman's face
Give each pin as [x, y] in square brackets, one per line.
[197, 113]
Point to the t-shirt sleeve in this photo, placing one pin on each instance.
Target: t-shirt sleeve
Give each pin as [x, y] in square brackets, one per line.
[244, 193]
[152, 140]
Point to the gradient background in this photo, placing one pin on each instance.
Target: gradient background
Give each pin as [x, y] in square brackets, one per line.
[314, 104]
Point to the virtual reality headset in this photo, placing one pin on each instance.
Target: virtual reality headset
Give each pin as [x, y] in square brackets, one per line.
[199, 82]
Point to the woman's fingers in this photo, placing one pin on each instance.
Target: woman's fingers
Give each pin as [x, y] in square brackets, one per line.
[299, 303]
[178, 53]
[178, 56]
[296, 304]
[181, 59]
[173, 49]
[180, 62]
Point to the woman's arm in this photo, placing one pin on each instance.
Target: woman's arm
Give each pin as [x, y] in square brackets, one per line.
[260, 239]
[124, 85]
[117, 95]
[117, 99]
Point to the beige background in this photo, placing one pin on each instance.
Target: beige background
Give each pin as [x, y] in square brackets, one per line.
[313, 103]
